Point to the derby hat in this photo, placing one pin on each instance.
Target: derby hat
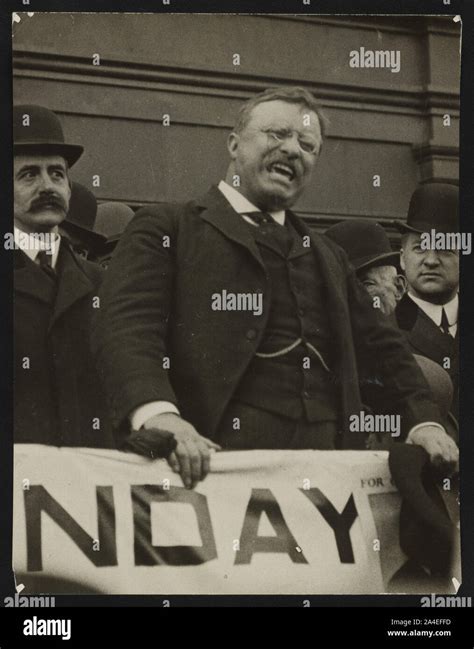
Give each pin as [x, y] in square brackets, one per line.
[112, 219]
[81, 216]
[433, 206]
[365, 243]
[38, 131]
[428, 533]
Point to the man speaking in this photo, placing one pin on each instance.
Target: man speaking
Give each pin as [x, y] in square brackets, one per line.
[184, 348]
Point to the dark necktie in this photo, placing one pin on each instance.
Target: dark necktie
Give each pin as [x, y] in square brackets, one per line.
[45, 261]
[269, 226]
[444, 322]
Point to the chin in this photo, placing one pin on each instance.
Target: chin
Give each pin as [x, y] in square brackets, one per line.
[48, 220]
[278, 200]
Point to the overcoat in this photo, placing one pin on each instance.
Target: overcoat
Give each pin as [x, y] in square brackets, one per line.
[158, 338]
[427, 339]
[58, 398]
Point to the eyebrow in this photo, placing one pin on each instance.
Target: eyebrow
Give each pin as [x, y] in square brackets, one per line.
[53, 167]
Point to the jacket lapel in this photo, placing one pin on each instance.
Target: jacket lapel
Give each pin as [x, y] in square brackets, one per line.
[73, 285]
[31, 280]
[429, 340]
[220, 214]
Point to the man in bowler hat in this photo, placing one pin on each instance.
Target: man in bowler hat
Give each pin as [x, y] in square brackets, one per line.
[375, 263]
[226, 321]
[428, 313]
[376, 266]
[57, 395]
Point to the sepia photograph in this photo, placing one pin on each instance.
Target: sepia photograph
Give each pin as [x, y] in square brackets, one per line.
[237, 250]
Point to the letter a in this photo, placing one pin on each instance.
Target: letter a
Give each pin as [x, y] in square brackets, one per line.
[263, 501]
[28, 627]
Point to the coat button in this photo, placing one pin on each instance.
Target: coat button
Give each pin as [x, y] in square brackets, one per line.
[251, 334]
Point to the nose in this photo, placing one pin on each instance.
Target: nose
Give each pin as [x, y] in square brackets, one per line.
[45, 183]
[431, 258]
[290, 145]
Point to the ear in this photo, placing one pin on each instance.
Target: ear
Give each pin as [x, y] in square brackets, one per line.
[401, 285]
[233, 144]
[402, 259]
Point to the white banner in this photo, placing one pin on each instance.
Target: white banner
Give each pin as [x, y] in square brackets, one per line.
[263, 522]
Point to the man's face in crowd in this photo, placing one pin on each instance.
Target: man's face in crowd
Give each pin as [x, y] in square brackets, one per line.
[41, 192]
[432, 275]
[274, 173]
[384, 282]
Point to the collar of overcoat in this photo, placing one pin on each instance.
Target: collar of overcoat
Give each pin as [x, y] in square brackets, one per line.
[73, 285]
[423, 334]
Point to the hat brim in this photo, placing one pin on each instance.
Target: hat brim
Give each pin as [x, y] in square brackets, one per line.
[404, 228]
[386, 259]
[74, 229]
[70, 152]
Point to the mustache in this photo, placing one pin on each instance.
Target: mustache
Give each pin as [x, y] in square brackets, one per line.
[48, 201]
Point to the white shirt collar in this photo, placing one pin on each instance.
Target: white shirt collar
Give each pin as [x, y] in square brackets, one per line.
[242, 205]
[434, 311]
[31, 244]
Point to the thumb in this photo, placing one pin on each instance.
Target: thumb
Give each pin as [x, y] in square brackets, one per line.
[212, 444]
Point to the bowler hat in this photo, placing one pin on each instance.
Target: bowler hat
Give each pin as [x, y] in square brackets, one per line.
[112, 219]
[80, 219]
[433, 206]
[37, 130]
[365, 243]
[427, 534]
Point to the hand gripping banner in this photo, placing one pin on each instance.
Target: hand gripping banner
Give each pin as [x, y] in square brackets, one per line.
[262, 522]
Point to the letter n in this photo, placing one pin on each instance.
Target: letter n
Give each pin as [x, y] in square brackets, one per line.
[340, 523]
[39, 500]
[263, 501]
[147, 554]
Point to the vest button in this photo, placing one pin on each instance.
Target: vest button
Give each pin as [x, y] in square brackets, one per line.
[251, 334]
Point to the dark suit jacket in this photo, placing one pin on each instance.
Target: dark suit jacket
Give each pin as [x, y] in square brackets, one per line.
[57, 392]
[426, 338]
[156, 303]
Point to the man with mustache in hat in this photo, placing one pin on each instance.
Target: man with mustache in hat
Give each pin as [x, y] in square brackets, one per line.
[226, 321]
[428, 313]
[57, 396]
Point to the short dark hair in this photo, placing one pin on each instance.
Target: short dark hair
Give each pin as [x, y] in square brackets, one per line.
[290, 94]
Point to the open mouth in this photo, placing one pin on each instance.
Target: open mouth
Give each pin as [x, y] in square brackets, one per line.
[281, 169]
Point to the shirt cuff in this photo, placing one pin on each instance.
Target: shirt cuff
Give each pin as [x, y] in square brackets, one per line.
[425, 423]
[143, 413]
